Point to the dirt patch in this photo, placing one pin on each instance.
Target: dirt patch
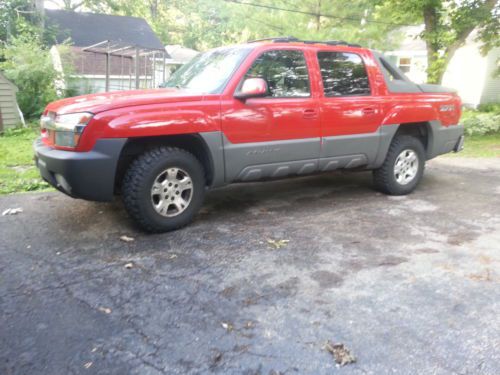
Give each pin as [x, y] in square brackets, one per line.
[460, 238]
[392, 261]
[426, 251]
[327, 279]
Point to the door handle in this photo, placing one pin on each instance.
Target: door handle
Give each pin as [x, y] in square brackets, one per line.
[369, 111]
[310, 113]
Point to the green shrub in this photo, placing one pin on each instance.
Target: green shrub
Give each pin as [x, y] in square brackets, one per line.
[29, 66]
[481, 123]
[489, 107]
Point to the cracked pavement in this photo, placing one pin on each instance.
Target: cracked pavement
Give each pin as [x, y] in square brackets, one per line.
[408, 284]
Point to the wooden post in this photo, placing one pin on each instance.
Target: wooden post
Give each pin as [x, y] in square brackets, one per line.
[164, 67]
[137, 68]
[107, 72]
[153, 78]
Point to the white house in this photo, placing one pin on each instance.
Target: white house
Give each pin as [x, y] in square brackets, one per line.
[470, 73]
[179, 55]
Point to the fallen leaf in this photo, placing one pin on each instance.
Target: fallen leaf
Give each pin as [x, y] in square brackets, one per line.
[12, 211]
[105, 310]
[227, 326]
[277, 244]
[129, 265]
[126, 239]
[483, 276]
[217, 357]
[340, 353]
[87, 365]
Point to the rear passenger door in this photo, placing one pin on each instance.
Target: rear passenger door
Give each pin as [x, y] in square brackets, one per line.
[350, 114]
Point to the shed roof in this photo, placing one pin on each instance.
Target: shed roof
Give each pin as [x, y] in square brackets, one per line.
[180, 54]
[86, 29]
[6, 81]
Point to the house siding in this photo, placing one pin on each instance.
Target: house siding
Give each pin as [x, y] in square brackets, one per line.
[9, 110]
[491, 91]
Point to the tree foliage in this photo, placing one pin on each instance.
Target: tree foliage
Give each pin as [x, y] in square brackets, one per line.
[448, 24]
[202, 24]
[29, 66]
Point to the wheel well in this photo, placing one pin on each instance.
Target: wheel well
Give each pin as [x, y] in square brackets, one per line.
[419, 130]
[189, 142]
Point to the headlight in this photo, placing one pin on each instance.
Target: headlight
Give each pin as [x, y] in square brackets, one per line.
[65, 130]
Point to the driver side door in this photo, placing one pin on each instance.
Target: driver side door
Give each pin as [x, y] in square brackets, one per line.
[276, 135]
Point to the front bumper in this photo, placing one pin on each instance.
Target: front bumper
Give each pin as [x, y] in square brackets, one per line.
[87, 175]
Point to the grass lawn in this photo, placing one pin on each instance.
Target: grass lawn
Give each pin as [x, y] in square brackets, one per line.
[480, 146]
[18, 173]
[17, 170]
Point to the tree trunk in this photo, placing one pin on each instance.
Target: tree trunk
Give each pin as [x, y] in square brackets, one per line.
[431, 26]
[318, 15]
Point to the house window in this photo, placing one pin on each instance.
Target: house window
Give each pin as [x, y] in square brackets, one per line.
[405, 64]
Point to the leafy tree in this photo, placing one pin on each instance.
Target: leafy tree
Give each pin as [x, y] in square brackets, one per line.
[17, 17]
[28, 64]
[448, 23]
[203, 24]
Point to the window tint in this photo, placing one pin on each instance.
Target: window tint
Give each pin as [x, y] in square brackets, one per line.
[343, 74]
[285, 72]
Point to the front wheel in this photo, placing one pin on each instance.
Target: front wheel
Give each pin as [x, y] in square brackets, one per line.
[403, 166]
[163, 189]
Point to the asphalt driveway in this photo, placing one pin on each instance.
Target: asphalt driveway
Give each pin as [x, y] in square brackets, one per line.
[410, 285]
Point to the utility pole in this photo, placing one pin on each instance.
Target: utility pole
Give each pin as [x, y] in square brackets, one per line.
[318, 15]
[40, 13]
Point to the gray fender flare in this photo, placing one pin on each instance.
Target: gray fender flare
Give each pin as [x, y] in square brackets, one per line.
[387, 133]
[213, 141]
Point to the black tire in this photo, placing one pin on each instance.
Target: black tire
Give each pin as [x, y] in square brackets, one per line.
[138, 183]
[384, 178]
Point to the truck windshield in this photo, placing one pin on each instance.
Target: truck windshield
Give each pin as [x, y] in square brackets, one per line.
[209, 72]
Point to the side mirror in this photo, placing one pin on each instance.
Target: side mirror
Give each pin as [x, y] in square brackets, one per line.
[252, 88]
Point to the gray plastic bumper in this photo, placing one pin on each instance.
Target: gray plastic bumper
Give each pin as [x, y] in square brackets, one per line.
[444, 139]
[87, 175]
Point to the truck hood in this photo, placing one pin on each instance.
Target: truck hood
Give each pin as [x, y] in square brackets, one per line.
[96, 103]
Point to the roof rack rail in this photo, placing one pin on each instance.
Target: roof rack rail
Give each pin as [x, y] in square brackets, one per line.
[331, 42]
[276, 39]
[290, 39]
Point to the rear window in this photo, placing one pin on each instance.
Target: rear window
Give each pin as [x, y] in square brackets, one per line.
[344, 74]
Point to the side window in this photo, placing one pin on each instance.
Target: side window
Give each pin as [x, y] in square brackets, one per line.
[284, 71]
[343, 74]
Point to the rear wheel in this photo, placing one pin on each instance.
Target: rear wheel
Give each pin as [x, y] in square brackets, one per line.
[163, 189]
[403, 166]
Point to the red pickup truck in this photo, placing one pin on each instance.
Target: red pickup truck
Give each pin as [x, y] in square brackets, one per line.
[262, 110]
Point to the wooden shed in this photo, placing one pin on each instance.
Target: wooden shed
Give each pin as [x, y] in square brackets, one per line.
[10, 115]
